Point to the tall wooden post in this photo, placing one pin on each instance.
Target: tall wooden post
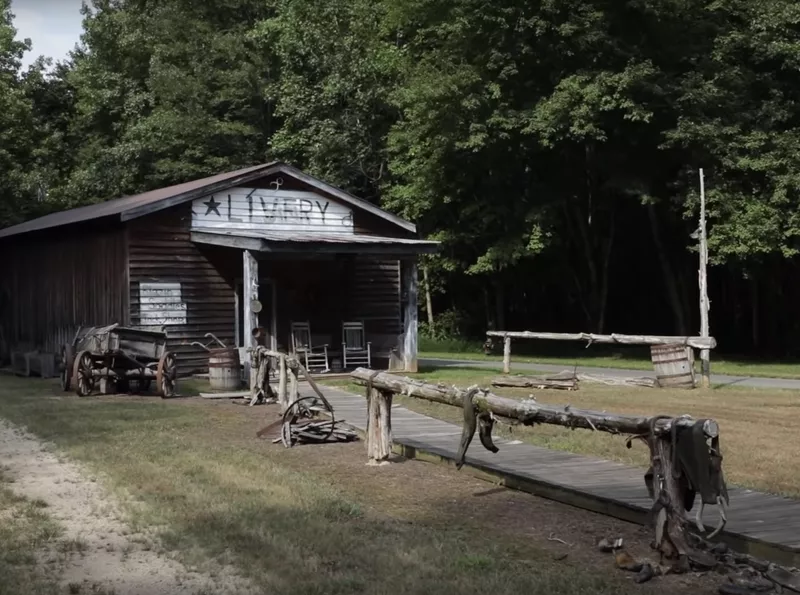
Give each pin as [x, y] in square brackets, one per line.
[409, 284]
[250, 290]
[283, 396]
[506, 355]
[379, 426]
[705, 306]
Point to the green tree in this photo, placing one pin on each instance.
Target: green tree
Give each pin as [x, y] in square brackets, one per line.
[15, 124]
[740, 119]
[166, 92]
[337, 72]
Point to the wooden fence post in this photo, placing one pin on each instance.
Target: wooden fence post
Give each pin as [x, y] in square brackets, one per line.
[294, 392]
[379, 427]
[283, 398]
[507, 355]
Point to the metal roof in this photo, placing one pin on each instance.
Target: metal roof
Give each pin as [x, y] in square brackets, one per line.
[131, 207]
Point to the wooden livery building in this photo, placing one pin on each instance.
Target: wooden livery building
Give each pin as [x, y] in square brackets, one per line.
[323, 272]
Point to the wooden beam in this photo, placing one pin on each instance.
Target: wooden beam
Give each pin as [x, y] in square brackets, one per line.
[227, 241]
[267, 246]
[250, 293]
[506, 355]
[409, 286]
[696, 342]
[527, 412]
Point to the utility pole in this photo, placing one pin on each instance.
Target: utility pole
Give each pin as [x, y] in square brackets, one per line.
[705, 354]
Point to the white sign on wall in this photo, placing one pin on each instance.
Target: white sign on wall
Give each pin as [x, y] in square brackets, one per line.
[271, 210]
[160, 304]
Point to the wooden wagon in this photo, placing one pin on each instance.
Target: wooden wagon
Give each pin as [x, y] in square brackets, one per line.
[129, 358]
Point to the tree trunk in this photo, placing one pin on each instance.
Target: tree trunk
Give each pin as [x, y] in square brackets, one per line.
[754, 310]
[603, 302]
[488, 310]
[595, 243]
[428, 301]
[500, 305]
[670, 280]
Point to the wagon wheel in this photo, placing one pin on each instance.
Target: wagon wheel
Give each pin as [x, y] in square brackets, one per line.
[67, 362]
[166, 375]
[82, 374]
[299, 409]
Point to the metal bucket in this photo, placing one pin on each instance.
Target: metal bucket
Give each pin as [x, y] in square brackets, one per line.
[223, 369]
[674, 365]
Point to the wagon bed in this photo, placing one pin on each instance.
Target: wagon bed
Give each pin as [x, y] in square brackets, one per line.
[130, 358]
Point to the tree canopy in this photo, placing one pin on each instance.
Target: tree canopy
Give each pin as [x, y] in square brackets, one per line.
[553, 146]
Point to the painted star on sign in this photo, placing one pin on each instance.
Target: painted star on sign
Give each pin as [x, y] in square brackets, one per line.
[212, 206]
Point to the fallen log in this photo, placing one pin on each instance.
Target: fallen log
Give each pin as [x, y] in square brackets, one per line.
[535, 382]
[529, 412]
[642, 381]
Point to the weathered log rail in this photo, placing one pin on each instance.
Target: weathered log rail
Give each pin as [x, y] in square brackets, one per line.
[528, 412]
[702, 343]
[682, 462]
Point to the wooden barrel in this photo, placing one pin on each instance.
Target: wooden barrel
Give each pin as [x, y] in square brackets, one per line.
[223, 370]
[674, 365]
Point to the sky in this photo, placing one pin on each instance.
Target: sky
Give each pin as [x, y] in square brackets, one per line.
[53, 26]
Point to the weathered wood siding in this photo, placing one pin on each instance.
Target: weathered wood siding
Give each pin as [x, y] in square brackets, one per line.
[161, 251]
[374, 290]
[55, 281]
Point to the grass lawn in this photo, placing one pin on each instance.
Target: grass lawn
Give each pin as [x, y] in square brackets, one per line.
[759, 427]
[305, 520]
[600, 356]
[25, 529]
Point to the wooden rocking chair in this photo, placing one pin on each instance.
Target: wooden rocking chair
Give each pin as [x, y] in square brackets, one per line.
[315, 357]
[356, 350]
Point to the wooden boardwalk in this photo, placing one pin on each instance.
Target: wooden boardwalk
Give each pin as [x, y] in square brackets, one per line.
[761, 524]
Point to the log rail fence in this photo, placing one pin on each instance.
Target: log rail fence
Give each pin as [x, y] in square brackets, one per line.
[683, 462]
[703, 343]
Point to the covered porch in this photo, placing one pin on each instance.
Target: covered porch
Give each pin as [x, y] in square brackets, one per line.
[336, 301]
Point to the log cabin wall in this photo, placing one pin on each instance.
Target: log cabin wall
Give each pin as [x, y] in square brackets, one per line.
[375, 295]
[197, 281]
[54, 281]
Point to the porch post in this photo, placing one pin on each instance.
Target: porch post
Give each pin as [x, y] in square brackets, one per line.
[250, 291]
[409, 286]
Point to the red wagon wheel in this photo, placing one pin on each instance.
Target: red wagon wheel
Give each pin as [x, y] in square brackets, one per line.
[67, 362]
[167, 375]
[82, 374]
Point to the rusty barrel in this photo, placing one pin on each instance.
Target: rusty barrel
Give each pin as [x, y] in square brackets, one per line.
[223, 369]
[674, 365]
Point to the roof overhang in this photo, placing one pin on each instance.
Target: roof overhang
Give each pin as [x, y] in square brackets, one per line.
[132, 207]
[293, 243]
[269, 170]
[183, 197]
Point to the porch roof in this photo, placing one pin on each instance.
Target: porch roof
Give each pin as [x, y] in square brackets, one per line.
[293, 242]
